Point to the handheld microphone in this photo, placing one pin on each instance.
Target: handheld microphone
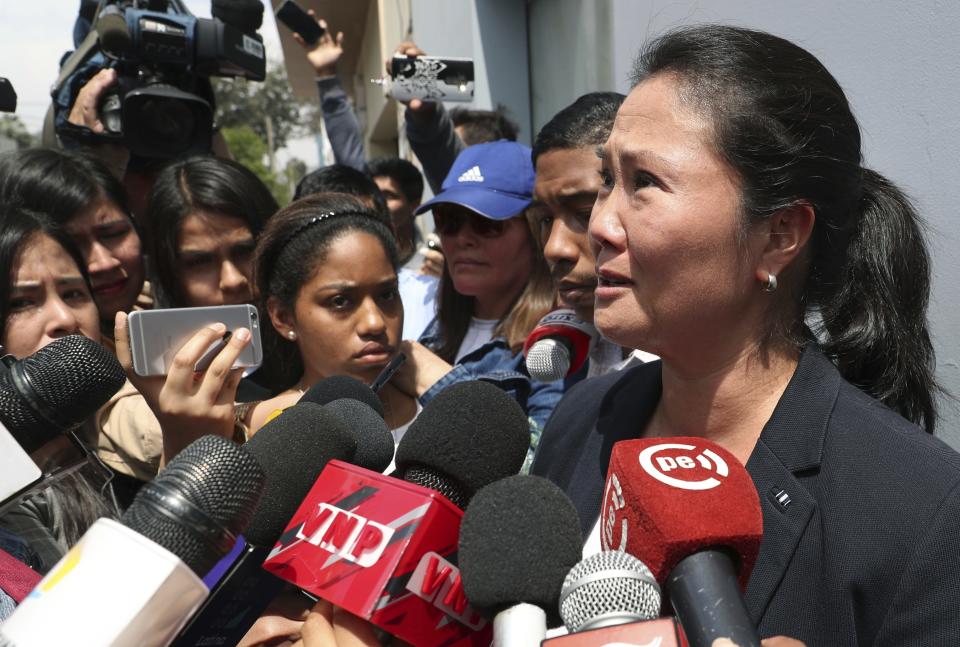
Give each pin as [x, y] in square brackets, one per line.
[137, 581]
[385, 549]
[611, 598]
[519, 538]
[292, 449]
[690, 511]
[56, 388]
[558, 346]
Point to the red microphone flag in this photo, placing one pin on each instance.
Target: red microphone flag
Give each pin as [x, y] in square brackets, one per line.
[666, 498]
[385, 550]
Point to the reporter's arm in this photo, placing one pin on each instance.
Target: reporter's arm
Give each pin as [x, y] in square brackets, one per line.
[189, 405]
[85, 113]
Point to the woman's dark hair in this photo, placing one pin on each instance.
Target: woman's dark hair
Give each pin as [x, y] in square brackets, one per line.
[17, 227]
[784, 125]
[585, 122]
[291, 248]
[59, 184]
[207, 183]
[406, 175]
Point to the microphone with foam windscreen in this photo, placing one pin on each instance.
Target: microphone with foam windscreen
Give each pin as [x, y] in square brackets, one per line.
[519, 538]
[558, 346]
[136, 581]
[385, 549]
[690, 511]
[292, 449]
[245, 15]
[56, 388]
[612, 598]
[42, 398]
[342, 387]
[374, 442]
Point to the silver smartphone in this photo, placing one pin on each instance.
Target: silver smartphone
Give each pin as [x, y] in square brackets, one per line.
[431, 78]
[157, 335]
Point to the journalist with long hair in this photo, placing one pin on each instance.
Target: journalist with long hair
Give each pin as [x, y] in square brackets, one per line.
[784, 285]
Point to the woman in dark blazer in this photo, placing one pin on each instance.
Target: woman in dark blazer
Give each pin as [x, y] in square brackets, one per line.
[785, 288]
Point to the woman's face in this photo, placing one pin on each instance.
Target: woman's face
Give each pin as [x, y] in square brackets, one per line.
[215, 253]
[112, 250]
[49, 299]
[348, 317]
[665, 231]
[486, 258]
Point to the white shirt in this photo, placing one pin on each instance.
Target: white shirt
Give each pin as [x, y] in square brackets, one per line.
[478, 334]
[418, 292]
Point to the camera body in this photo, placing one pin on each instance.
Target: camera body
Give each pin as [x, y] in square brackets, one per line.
[162, 104]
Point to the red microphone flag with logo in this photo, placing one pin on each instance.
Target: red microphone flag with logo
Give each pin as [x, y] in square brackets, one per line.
[666, 498]
[385, 550]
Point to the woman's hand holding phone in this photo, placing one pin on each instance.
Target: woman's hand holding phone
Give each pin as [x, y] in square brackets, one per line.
[189, 404]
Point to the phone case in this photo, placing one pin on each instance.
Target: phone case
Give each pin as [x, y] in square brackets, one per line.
[297, 20]
[431, 78]
[157, 335]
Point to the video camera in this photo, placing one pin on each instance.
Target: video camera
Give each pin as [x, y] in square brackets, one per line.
[162, 103]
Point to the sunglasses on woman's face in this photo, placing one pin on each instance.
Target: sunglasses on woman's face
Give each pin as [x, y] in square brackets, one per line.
[448, 223]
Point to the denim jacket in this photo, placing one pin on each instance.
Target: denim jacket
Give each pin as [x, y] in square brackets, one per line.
[494, 362]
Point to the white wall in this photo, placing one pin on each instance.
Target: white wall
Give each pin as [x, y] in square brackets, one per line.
[494, 34]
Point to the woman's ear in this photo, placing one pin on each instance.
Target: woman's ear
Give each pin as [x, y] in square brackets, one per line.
[788, 232]
[282, 318]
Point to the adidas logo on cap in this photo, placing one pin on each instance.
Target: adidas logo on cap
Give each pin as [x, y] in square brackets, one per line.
[471, 175]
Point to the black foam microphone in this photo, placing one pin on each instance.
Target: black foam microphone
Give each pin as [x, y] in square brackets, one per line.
[245, 15]
[56, 388]
[292, 449]
[374, 442]
[340, 387]
[469, 435]
[113, 31]
[136, 582]
[518, 540]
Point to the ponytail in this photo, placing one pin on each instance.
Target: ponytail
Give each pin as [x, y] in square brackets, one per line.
[874, 322]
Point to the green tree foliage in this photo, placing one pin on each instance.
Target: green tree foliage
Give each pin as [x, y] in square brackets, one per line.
[259, 118]
[13, 129]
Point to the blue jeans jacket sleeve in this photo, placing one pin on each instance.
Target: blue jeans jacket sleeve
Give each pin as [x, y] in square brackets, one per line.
[496, 363]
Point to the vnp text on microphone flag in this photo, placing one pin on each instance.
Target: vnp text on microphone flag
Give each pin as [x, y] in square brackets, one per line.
[558, 346]
[386, 549]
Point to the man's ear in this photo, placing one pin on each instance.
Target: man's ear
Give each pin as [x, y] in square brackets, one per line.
[788, 232]
[281, 317]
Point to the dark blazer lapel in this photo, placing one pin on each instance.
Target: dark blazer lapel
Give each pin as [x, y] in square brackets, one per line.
[624, 413]
[791, 442]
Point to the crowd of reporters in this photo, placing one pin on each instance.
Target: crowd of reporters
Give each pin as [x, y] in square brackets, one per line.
[712, 219]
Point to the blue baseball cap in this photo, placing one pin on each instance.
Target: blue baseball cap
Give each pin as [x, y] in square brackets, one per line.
[494, 179]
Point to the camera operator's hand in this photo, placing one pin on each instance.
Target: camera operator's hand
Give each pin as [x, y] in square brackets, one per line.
[324, 54]
[85, 112]
[409, 48]
[189, 404]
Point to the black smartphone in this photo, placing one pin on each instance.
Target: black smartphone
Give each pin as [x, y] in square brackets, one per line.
[297, 20]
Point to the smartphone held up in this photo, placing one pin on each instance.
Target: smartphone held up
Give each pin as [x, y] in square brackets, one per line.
[429, 78]
[157, 335]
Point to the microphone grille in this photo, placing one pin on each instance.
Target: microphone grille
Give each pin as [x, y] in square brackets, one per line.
[67, 381]
[548, 360]
[219, 481]
[612, 585]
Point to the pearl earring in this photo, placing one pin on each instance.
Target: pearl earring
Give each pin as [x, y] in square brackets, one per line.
[292, 335]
